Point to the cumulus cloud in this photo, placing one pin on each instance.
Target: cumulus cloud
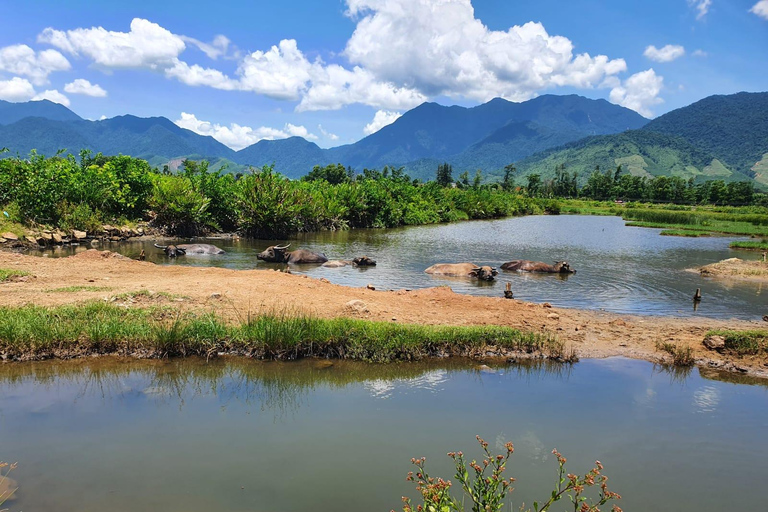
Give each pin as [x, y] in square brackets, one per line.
[700, 53]
[381, 119]
[147, 45]
[639, 92]
[22, 60]
[439, 47]
[760, 9]
[701, 6]
[236, 136]
[668, 53]
[52, 95]
[16, 89]
[326, 134]
[402, 52]
[82, 86]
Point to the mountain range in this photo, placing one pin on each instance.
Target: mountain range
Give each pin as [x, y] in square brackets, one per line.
[723, 137]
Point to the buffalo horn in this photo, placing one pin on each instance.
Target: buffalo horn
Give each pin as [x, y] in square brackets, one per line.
[282, 246]
[160, 246]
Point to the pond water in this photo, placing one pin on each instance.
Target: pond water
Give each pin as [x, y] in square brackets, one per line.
[241, 435]
[620, 269]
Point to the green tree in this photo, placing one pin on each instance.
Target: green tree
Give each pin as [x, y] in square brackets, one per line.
[333, 174]
[508, 183]
[444, 174]
[534, 184]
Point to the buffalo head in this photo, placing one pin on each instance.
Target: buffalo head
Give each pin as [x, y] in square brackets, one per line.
[364, 261]
[484, 273]
[275, 254]
[171, 250]
[563, 267]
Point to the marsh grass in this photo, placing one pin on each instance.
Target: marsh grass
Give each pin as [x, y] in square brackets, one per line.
[146, 294]
[31, 332]
[750, 245]
[744, 343]
[10, 274]
[75, 289]
[682, 355]
[691, 233]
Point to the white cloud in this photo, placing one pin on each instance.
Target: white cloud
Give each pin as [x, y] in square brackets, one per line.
[668, 53]
[381, 119]
[700, 53]
[195, 75]
[16, 89]
[147, 45]
[701, 6]
[760, 9]
[334, 87]
[20, 59]
[282, 72]
[639, 92]
[236, 136]
[215, 49]
[439, 47]
[82, 86]
[326, 134]
[52, 95]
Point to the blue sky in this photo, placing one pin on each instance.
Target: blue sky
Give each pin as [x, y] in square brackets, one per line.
[335, 70]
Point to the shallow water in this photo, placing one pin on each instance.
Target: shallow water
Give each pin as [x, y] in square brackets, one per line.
[243, 435]
[620, 269]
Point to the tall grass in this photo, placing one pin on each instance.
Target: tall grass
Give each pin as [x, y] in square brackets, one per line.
[743, 343]
[98, 328]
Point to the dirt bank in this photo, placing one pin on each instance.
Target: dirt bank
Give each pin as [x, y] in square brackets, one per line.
[737, 268]
[236, 293]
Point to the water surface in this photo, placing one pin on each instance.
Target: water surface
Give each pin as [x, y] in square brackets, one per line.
[243, 435]
[620, 269]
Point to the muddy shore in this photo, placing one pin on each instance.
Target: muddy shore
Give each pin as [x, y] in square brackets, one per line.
[234, 294]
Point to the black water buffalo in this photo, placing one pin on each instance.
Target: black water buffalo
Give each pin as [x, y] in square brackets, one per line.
[560, 267]
[182, 249]
[362, 261]
[278, 254]
[484, 273]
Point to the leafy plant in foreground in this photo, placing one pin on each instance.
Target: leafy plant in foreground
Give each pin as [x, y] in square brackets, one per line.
[486, 487]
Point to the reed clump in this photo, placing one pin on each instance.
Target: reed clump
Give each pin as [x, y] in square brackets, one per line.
[682, 355]
[33, 332]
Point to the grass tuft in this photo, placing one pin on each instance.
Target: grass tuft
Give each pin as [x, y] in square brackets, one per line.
[75, 289]
[11, 275]
[681, 355]
[750, 245]
[744, 343]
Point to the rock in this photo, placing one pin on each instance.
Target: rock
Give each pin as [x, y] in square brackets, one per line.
[370, 286]
[324, 280]
[79, 235]
[10, 236]
[546, 305]
[115, 238]
[31, 239]
[215, 295]
[553, 316]
[714, 342]
[357, 306]
[2, 240]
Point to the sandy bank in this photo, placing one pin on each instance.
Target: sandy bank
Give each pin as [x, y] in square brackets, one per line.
[737, 268]
[95, 275]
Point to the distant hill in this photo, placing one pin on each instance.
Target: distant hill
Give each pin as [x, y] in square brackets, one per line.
[733, 127]
[463, 136]
[12, 112]
[294, 156]
[719, 137]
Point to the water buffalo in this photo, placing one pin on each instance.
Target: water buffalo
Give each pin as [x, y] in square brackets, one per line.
[362, 261]
[484, 273]
[182, 249]
[278, 254]
[560, 267]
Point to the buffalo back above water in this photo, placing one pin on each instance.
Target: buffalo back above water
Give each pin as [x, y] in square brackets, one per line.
[279, 254]
[560, 267]
[484, 273]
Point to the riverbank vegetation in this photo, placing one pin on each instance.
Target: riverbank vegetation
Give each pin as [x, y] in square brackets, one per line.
[66, 193]
[744, 343]
[32, 332]
[761, 245]
[484, 487]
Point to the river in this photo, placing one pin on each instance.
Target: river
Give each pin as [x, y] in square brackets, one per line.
[237, 435]
[620, 269]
